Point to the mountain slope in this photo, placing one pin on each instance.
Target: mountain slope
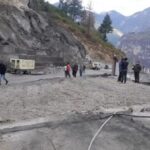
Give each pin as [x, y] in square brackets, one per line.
[137, 22]
[117, 18]
[117, 21]
[24, 33]
[137, 47]
[29, 30]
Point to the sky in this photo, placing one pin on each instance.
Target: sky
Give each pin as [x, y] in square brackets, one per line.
[125, 7]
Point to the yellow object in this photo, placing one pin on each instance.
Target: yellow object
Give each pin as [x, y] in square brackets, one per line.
[22, 64]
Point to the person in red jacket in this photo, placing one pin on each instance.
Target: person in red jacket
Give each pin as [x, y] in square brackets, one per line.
[68, 69]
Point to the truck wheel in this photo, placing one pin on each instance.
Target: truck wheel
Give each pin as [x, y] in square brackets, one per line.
[25, 72]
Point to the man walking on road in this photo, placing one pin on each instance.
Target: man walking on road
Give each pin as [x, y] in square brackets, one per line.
[2, 73]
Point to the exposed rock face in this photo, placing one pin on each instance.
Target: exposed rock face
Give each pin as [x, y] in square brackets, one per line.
[137, 47]
[26, 34]
[17, 3]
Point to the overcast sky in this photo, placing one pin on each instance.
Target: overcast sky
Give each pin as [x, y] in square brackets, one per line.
[126, 7]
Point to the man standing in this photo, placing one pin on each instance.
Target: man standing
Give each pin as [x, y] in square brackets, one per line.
[137, 68]
[2, 73]
[120, 70]
[75, 70]
[80, 69]
[124, 67]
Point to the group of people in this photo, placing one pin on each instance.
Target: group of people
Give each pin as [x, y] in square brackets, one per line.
[123, 68]
[2, 73]
[75, 68]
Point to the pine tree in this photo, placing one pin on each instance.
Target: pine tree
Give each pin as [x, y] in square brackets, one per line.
[64, 5]
[106, 27]
[73, 8]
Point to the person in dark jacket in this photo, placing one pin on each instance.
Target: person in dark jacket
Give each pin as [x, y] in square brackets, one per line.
[2, 73]
[81, 70]
[137, 68]
[75, 70]
[120, 70]
[124, 67]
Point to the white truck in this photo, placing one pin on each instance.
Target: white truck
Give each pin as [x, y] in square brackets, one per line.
[96, 65]
[22, 65]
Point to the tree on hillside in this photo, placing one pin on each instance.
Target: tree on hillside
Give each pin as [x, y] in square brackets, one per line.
[64, 5]
[105, 27]
[73, 8]
[88, 18]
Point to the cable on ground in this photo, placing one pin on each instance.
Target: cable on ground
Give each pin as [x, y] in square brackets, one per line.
[109, 118]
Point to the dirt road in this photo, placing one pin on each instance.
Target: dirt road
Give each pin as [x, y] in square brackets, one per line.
[28, 97]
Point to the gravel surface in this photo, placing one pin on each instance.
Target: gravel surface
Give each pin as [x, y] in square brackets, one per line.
[28, 97]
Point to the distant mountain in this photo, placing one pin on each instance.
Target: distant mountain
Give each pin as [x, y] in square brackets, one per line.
[115, 36]
[137, 22]
[117, 19]
[133, 36]
[137, 47]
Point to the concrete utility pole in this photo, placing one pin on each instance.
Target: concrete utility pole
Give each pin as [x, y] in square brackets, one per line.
[114, 65]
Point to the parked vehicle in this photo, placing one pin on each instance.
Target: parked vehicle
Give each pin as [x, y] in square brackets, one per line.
[96, 65]
[24, 66]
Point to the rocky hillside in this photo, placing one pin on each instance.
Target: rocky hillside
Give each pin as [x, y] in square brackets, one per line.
[17, 3]
[137, 47]
[25, 33]
[29, 33]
